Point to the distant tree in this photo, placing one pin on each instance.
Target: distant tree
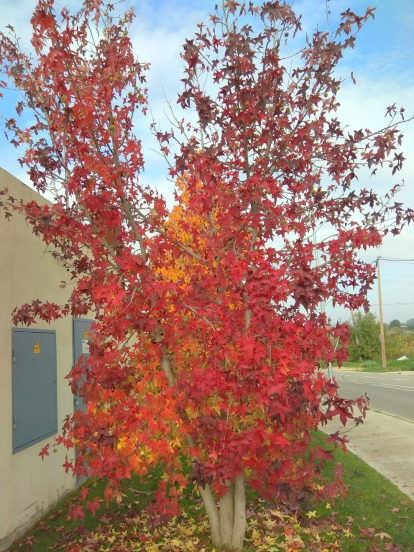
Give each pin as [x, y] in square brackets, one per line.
[399, 343]
[395, 323]
[364, 342]
[410, 322]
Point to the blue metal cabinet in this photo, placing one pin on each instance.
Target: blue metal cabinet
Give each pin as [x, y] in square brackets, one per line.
[34, 390]
[81, 334]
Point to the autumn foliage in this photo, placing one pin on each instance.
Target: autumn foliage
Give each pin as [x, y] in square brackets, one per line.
[209, 330]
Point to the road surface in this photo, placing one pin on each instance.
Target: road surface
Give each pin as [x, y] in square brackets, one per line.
[390, 392]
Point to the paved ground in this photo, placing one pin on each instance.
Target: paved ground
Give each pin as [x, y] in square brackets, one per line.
[384, 441]
[391, 392]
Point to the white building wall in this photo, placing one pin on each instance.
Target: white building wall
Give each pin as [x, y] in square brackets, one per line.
[29, 487]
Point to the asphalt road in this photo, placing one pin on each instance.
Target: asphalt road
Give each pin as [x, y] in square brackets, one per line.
[390, 392]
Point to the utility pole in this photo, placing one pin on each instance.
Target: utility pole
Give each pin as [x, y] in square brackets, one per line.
[330, 369]
[382, 338]
[353, 323]
[323, 309]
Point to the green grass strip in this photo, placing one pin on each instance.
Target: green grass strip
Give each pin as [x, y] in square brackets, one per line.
[374, 509]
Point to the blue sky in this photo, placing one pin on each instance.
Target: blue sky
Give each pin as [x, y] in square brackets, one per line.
[382, 65]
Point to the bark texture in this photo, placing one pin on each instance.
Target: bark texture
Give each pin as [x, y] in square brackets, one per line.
[228, 521]
[212, 512]
[239, 524]
[226, 517]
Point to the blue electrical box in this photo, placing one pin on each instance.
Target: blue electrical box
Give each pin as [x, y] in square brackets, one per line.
[34, 389]
[81, 334]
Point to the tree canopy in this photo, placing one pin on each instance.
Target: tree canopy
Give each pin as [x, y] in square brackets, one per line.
[364, 343]
[208, 331]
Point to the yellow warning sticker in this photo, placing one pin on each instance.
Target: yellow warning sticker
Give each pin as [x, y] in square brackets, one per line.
[36, 348]
[85, 334]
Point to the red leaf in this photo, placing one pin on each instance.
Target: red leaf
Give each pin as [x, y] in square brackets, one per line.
[45, 451]
[93, 505]
[84, 492]
[76, 513]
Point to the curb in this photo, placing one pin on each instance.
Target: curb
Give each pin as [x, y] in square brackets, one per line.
[391, 415]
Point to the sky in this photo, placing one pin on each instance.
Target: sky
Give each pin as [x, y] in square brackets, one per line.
[382, 65]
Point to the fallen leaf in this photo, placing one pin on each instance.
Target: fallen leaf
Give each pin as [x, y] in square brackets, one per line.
[383, 536]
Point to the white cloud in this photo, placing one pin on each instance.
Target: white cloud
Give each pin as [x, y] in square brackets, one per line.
[364, 106]
[158, 34]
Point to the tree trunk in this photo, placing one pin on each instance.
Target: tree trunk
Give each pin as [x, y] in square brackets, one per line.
[228, 521]
[212, 512]
[226, 516]
[240, 523]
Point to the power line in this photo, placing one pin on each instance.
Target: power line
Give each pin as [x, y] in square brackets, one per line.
[410, 284]
[400, 275]
[389, 304]
[388, 259]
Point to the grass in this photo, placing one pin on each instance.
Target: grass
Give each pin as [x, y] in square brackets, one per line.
[372, 501]
[45, 533]
[373, 504]
[376, 366]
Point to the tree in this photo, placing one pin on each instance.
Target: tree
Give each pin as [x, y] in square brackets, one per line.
[399, 343]
[395, 324]
[208, 327]
[364, 343]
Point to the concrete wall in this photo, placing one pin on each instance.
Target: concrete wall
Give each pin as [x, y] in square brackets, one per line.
[28, 485]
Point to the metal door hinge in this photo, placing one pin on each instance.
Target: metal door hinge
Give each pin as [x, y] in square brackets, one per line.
[14, 357]
[14, 422]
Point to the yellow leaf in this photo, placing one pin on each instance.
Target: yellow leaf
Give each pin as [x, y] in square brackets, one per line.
[347, 533]
[277, 513]
[311, 514]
